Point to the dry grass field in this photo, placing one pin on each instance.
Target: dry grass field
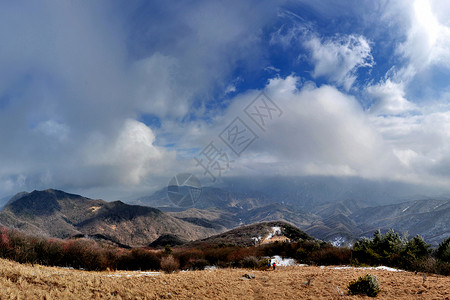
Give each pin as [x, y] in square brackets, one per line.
[37, 282]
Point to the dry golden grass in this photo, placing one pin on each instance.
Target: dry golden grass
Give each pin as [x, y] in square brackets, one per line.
[37, 282]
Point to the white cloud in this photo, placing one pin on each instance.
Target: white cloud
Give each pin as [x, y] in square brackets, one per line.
[321, 132]
[53, 129]
[132, 155]
[326, 132]
[427, 39]
[390, 98]
[339, 58]
[73, 75]
[336, 58]
[74, 78]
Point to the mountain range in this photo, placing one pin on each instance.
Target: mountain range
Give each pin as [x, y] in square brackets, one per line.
[340, 222]
[154, 219]
[58, 214]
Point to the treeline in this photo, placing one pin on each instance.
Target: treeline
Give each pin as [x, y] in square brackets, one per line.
[389, 249]
[392, 249]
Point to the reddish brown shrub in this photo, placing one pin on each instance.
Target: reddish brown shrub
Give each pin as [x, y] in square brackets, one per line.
[331, 256]
[169, 264]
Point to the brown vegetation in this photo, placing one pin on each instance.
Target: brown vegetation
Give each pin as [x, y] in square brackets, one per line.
[38, 282]
[389, 250]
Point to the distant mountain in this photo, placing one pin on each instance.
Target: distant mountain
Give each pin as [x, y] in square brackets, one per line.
[428, 218]
[59, 214]
[340, 222]
[210, 197]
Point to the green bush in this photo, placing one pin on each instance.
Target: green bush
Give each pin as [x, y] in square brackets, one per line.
[380, 249]
[365, 285]
[264, 264]
[443, 251]
[394, 250]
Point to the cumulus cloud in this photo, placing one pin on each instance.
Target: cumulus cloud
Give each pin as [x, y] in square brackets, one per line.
[326, 132]
[321, 132]
[73, 76]
[78, 78]
[132, 155]
[390, 98]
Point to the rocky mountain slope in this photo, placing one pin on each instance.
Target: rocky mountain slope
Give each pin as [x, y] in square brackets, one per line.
[254, 234]
[339, 221]
[59, 214]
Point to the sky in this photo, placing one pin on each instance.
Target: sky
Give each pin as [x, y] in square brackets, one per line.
[111, 99]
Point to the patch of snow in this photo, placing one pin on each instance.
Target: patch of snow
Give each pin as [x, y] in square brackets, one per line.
[388, 269]
[275, 230]
[150, 273]
[257, 239]
[339, 241]
[339, 268]
[365, 268]
[134, 274]
[284, 262]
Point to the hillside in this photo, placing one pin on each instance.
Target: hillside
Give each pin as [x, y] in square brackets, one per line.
[59, 214]
[254, 234]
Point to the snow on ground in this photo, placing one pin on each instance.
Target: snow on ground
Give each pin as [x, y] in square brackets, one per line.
[279, 261]
[134, 274]
[275, 230]
[339, 241]
[257, 239]
[365, 268]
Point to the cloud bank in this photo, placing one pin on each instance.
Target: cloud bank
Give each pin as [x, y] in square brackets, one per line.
[111, 99]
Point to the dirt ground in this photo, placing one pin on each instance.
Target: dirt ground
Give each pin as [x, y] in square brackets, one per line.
[37, 282]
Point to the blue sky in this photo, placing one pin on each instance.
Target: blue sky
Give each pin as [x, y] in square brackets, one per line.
[113, 98]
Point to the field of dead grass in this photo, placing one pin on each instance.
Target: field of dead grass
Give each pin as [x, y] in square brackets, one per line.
[37, 282]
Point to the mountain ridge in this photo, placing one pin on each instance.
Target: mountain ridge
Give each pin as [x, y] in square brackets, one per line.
[347, 220]
[59, 214]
